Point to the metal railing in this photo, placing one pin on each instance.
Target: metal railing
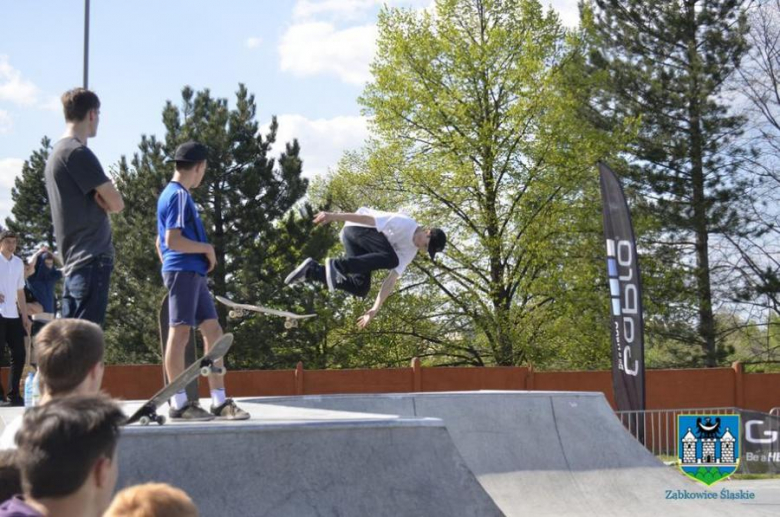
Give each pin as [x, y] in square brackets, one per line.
[656, 429]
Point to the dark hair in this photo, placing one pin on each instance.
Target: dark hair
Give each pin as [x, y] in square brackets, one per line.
[66, 350]
[76, 103]
[10, 477]
[60, 442]
[7, 234]
[187, 166]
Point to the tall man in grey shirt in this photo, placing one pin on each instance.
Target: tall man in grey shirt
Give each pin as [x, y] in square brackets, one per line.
[81, 197]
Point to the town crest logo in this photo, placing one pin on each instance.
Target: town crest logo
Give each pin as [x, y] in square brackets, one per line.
[708, 446]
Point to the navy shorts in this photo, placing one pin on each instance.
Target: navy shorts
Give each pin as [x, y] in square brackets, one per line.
[189, 300]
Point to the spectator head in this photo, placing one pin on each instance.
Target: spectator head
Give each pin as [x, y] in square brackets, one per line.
[190, 158]
[10, 477]
[152, 500]
[66, 452]
[70, 357]
[82, 106]
[8, 242]
[48, 259]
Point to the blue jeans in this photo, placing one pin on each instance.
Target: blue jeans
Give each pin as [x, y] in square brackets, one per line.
[86, 291]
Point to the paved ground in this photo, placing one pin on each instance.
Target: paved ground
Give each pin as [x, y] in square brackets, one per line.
[473, 453]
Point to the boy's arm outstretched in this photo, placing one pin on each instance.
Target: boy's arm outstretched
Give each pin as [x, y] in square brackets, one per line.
[387, 288]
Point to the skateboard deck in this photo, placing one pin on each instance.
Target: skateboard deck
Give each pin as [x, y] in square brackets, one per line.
[189, 351]
[204, 366]
[240, 309]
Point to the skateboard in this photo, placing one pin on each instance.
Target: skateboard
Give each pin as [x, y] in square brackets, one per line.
[189, 351]
[241, 309]
[204, 366]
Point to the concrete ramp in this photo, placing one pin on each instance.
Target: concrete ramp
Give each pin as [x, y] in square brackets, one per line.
[308, 462]
[479, 454]
[546, 453]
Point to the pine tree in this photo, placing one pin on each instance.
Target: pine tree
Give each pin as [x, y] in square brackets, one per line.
[31, 213]
[247, 201]
[668, 63]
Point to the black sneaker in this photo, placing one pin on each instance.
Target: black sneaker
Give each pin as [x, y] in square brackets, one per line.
[228, 410]
[190, 412]
[333, 276]
[299, 273]
[13, 401]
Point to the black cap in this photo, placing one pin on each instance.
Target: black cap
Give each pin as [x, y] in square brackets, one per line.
[7, 234]
[437, 242]
[191, 152]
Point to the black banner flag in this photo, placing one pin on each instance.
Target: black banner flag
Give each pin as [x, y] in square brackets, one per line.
[625, 288]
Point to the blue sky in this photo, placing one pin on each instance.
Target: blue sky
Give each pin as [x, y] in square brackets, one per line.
[306, 61]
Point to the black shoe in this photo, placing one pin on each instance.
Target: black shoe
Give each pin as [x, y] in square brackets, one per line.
[228, 410]
[190, 412]
[299, 273]
[13, 401]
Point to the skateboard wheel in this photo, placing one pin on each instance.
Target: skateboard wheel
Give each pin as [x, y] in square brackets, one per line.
[144, 420]
[232, 315]
[289, 324]
[206, 370]
[220, 371]
[160, 419]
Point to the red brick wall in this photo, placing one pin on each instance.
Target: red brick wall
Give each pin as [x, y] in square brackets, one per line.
[666, 389]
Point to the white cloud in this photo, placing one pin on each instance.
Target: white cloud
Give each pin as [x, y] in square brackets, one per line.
[340, 9]
[318, 47]
[323, 141]
[253, 42]
[6, 123]
[347, 10]
[10, 168]
[338, 37]
[13, 87]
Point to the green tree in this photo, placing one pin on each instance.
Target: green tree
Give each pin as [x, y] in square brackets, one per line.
[668, 63]
[478, 127]
[31, 213]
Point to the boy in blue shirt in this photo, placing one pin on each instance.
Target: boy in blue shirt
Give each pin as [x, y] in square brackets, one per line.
[187, 258]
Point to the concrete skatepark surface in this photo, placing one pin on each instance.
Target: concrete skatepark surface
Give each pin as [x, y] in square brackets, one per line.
[471, 453]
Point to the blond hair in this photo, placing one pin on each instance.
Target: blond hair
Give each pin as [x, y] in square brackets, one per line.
[152, 500]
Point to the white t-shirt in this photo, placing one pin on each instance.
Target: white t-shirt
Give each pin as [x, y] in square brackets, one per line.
[11, 280]
[399, 230]
[9, 433]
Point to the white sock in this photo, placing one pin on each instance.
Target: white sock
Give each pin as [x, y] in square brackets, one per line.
[218, 397]
[179, 400]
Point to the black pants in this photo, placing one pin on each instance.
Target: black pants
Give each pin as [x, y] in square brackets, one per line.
[367, 250]
[12, 334]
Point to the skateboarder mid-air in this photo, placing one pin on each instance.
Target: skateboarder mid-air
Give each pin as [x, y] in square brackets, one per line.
[372, 240]
[187, 258]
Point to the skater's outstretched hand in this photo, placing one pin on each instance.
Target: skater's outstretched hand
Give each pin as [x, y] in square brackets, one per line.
[323, 218]
[366, 318]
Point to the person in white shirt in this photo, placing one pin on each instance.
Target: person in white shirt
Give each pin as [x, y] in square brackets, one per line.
[14, 322]
[373, 240]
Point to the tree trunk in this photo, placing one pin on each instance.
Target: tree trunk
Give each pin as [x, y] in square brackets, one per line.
[703, 290]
